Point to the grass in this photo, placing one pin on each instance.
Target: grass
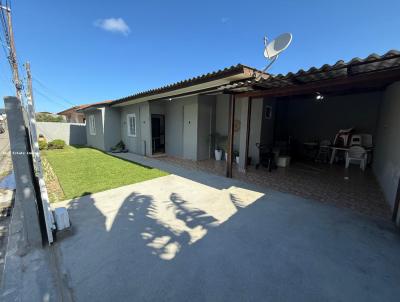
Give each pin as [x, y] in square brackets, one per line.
[81, 171]
[4, 174]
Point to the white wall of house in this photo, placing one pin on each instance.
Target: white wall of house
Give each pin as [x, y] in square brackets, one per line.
[174, 128]
[140, 142]
[205, 126]
[158, 107]
[180, 137]
[181, 116]
[189, 122]
[190, 127]
[96, 140]
[145, 128]
[387, 151]
[112, 129]
[308, 119]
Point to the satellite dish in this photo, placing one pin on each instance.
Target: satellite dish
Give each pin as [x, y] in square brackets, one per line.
[275, 47]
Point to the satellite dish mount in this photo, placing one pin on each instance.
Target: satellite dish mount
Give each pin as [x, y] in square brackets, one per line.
[273, 49]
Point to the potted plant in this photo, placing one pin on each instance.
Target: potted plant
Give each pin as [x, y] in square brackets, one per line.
[219, 142]
[236, 154]
[218, 153]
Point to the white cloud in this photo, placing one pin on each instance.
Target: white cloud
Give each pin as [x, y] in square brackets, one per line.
[116, 25]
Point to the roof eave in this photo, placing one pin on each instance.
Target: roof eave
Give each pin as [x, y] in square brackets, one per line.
[167, 91]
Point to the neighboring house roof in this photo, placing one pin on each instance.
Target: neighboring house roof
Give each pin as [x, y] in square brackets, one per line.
[93, 105]
[373, 64]
[240, 71]
[82, 107]
[72, 109]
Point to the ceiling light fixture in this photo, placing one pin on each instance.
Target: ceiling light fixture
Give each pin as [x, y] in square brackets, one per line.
[319, 96]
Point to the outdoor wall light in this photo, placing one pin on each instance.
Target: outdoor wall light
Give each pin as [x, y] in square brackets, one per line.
[319, 96]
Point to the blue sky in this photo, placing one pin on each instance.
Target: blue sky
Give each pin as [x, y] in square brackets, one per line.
[79, 55]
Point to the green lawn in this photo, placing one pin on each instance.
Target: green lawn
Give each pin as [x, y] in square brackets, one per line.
[82, 170]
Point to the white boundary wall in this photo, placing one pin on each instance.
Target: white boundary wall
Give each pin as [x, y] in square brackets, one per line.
[71, 133]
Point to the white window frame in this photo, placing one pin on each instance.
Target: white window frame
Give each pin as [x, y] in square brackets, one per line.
[128, 117]
[92, 125]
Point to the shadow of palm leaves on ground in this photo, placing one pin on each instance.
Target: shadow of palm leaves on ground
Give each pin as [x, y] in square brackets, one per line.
[165, 226]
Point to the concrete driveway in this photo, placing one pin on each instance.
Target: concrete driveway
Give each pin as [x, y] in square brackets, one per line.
[192, 236]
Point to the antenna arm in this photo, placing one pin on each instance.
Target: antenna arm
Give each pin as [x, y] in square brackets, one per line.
[269, 65]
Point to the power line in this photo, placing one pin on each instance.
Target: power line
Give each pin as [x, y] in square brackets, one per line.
[10, 53]
[7, 43]
[4, 24]
[9, 36]
[51, 91]
[49, 99]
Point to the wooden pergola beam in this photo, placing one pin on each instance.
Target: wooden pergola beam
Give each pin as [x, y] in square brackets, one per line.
[370, 79]
[246, 155]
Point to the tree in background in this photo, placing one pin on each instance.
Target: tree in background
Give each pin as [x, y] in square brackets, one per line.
[48, 117]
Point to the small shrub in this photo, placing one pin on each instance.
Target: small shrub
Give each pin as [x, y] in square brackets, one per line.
[56, 144]
[42, 145]
[120, 147]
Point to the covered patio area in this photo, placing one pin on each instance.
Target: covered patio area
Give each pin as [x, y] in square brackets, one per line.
[346, 188]
[307, 111]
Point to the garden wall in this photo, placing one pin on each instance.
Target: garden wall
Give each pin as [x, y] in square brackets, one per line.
[71, 133]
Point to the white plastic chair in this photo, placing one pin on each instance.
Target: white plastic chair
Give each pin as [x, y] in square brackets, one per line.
[356, 154]
[366, 140]
[355, 140]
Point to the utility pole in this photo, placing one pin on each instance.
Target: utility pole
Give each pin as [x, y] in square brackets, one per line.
[29, 82]
[13, 54]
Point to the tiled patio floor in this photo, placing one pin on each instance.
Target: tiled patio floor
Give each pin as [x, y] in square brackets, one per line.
[349, 188]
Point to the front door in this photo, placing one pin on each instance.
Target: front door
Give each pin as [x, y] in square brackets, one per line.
[158, 133]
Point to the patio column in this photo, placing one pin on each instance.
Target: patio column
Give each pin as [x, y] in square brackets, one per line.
[231, 129]
[245, 116]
